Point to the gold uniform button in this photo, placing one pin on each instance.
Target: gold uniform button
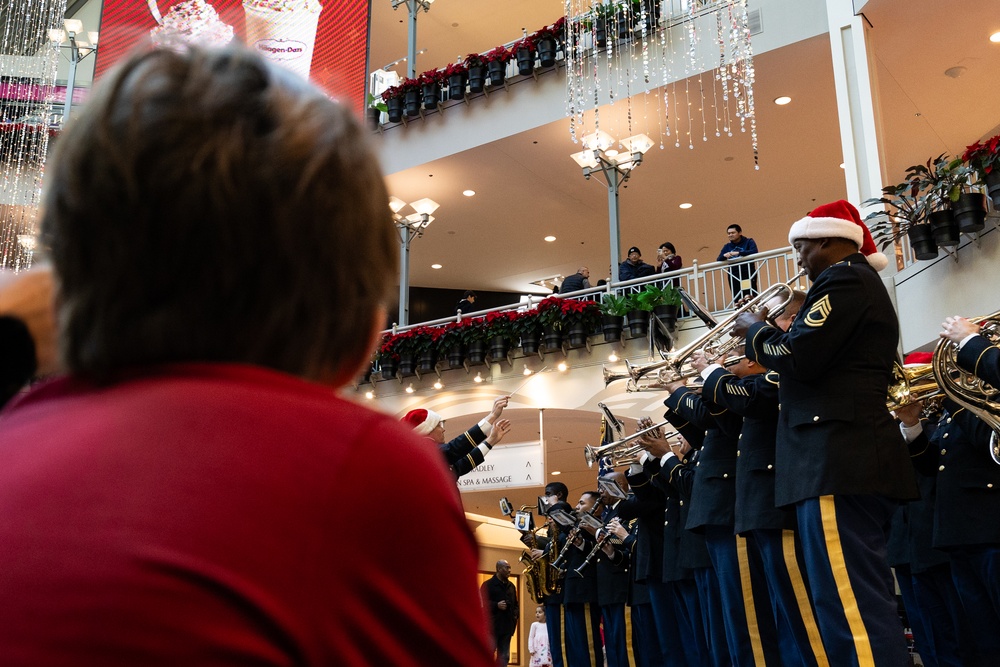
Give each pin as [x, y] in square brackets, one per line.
[682, 503]
[725, 475]
[770, 467]
[816, 418]
[943, 452]
[945, 435]
[949, 420]
[940, 467]
[737, 452]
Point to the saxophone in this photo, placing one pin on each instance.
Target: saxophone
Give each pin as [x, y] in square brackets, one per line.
[535, 572]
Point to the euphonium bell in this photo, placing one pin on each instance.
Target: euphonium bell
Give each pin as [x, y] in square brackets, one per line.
[911, 383]
[618, 450]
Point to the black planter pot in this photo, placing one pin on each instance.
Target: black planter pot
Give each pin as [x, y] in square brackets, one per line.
[389, 368]
[601, 32]
[944, 227]
[576, 335]
[426, 362]
[667, 315]
[498, 72]
[612, 325]
[970, 212]
[407, 364]
[476, 354]
[477, 79]
[499, 347]
[456, 356]
[993, 187]
[456, 86]
[395, 109]
[547, 51]
[411, 102]
[525, 61]
[638, 323]
[431, 94]
[553, 338]
[529, 342]
[922, 242]
[374, 116]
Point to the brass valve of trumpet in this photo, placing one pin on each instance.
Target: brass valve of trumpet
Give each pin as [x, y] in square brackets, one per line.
[619, 449]
[912, 383]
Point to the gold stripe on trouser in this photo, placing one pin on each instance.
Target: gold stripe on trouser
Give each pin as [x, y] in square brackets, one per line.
[748, 606]
[562, 633]
[590, 633]
[802, 597]
[838, 567]
[628, 635]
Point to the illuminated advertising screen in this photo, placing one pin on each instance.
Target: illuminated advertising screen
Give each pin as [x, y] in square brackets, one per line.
[326, 40]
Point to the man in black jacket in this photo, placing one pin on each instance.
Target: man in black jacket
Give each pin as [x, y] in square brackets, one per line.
[500, 598]
[840, 459]
[578, 281]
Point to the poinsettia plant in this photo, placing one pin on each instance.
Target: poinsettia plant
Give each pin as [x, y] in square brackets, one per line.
[432, 76]
[453, 69]
[565, 313]
[475, 60]
[425, 339]
[554, 31]
[527, 42]
[400, 89]
[500, 324]
[499, 54]
[526, 322]
[983, 156]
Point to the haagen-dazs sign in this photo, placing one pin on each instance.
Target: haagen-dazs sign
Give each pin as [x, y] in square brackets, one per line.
[280, 49]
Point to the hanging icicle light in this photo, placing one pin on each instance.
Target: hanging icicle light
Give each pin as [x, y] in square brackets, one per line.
[697, 52]
[26, 123]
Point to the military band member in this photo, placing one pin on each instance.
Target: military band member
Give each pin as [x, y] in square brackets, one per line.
[551, 545]
[612, 564]
[976, 354]
[583, 616]
[840, 459]
[469, 449]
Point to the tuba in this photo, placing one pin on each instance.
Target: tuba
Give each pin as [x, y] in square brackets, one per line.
[966, 388]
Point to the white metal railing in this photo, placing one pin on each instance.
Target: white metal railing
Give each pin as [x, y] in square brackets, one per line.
[709, 284]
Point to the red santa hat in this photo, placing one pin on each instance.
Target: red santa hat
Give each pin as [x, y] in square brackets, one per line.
[839, 220]
[422, 421]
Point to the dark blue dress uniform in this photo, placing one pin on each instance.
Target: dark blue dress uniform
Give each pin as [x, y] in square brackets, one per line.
[767, 529]
[554, 603]
[612, 594]
[980, 357]
[582, 614]
[462, 454]
[749, 635]
[840, 458]
[966, 508]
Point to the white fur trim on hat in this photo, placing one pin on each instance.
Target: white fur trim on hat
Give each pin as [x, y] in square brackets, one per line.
[429, 424]
[825, 228]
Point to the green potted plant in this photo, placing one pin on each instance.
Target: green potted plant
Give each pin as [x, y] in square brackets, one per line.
[476, 64]
[457, 76]
[528, 329]
[600, 17]
[613, 308]
[496, 64]
[636, 315]
[907, 215]
[984, 158]
[664, 302]
[942, 179]
[376, 107]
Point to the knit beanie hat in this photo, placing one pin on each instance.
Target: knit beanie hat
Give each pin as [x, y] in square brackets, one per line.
[839, 220]
[422, 421]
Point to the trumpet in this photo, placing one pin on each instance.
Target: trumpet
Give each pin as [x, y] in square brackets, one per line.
[715, 343]
[617, 448]
[910, 384]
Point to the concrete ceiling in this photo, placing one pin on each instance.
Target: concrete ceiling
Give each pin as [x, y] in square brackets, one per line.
[527, 187]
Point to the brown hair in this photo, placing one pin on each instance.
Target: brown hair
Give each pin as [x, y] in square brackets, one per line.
[209, 206]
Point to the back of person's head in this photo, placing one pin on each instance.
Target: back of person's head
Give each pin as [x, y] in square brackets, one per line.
[209, 206]
[468, 294]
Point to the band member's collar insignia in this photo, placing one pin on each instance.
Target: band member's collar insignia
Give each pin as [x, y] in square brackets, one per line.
[816, 317]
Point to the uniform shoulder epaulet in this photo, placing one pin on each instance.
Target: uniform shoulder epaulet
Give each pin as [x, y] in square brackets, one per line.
[773, 377]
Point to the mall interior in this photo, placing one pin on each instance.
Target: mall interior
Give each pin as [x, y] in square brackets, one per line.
[845, 95]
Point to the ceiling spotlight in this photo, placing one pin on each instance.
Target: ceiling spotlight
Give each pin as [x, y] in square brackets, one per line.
[409, 390]
[438, 385]
[995, 38]
[686, 205]
[478, 378]
[612, 357]
[369, 395]
[842, 165]
[469, 193]
[562, 366]
[783, 100]
[555, 472]
[435, 266]
[527, 371]
[550, 239]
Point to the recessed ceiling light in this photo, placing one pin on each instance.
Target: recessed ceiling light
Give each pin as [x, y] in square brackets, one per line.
[783, 100]
[438, 385]
[995, 38]
[478, 378]
[469, 193]
[686, 205]
[435, 266]
[842, 165]
[612, 357]
[550, 239]
[369, 395]
[555, 472]
[527, 371]
[562, 366]
[409, 390]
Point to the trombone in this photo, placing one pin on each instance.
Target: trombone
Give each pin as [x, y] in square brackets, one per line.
[618, 451]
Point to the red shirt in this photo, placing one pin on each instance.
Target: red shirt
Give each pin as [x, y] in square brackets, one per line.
[225, 514]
